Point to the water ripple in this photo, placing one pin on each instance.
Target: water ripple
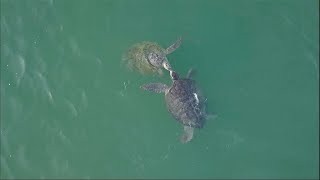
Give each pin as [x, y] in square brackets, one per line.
[43, 86]
[71, 107]
[314, 61]
[5, 169]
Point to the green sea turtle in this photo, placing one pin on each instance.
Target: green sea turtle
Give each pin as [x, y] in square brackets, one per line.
[148, 57]
[184, 101]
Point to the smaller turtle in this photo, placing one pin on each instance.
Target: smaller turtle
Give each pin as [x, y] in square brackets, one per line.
[148, 57]
[184, 101]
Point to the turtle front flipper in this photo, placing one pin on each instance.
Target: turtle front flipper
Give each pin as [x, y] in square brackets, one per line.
[155, 87]
[187, 134]
[174, 46]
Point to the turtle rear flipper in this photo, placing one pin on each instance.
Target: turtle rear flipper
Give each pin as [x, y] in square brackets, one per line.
[155, 87]
[174, 46]
[187, 134]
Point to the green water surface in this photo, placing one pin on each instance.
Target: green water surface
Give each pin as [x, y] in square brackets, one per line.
[71, 109]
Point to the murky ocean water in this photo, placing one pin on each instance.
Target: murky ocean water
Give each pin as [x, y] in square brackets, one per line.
[71, 109]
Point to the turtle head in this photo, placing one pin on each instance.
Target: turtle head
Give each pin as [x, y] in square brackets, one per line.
[166, 65]
[156, 59]
[174, 75]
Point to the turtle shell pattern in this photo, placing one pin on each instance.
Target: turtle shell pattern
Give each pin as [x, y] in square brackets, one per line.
[137, 57]
[184, 105]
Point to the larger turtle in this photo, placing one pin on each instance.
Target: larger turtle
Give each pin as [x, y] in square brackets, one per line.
[184, 101]
[149, 57]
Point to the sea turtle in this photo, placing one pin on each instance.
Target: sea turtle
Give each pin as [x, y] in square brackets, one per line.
[148, 57]
[184, 101]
